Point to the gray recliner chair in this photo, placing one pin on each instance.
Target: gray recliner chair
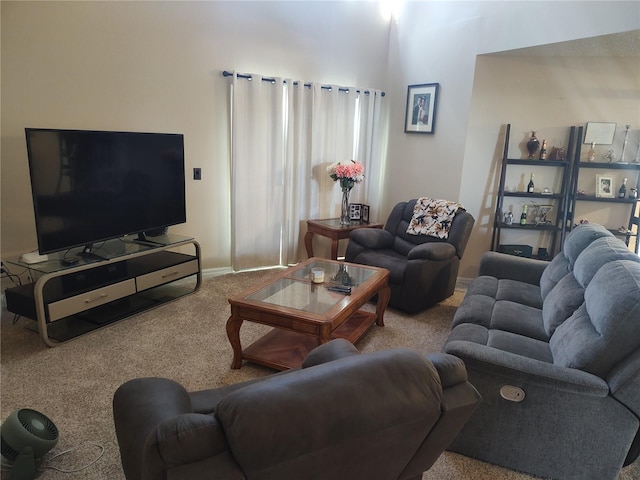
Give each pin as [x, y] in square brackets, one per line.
[423, 269]
[386, 415]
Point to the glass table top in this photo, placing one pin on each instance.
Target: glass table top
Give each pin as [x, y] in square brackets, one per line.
[296, 290]
[107, 250]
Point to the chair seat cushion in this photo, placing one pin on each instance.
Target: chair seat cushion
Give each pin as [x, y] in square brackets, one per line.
[389, 259]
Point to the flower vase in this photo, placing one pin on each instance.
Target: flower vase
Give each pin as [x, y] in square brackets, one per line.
[344, 207]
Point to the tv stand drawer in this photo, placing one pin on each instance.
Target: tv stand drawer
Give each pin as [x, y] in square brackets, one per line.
[166, 275]
[94, 298]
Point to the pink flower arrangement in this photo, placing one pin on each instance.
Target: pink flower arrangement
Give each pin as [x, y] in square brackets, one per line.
[348, 173]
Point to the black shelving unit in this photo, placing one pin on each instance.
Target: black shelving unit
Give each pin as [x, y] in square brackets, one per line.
[633, 205]
[558, 219]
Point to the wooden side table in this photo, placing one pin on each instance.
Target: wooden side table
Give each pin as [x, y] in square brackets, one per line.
[331, 228]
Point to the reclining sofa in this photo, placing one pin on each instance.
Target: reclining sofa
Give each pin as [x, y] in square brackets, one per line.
[342, 416]
[554, 350]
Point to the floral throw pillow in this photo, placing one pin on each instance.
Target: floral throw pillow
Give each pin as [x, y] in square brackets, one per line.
[433, 217]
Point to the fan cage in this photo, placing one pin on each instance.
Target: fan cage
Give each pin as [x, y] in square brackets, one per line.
[8, 451]
[38, 424]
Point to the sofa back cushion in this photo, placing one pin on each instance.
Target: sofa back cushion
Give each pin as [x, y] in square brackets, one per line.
[598, 253]
[313, 423]
[578, 239]
[561, 302]
[605, 328]
[581, 237]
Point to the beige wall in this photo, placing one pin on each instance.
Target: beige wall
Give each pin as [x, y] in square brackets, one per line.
[548, 95]
[440, 42]
[155, 66]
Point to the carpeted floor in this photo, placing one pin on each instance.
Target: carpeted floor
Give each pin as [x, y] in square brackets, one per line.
[186, 341]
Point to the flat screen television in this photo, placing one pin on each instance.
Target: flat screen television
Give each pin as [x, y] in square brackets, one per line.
[91, 186]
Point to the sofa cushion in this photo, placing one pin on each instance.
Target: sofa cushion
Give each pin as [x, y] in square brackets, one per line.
[261, 420]
[599, 252]
[517, 318]
[557, 269]
[605, 329]
[562, 301]
[581, 237]
[502, 341]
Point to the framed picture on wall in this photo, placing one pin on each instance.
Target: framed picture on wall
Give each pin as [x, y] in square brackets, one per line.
[604, 186]
[422, 101]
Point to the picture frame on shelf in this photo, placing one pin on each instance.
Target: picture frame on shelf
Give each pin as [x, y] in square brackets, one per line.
[600, 133]
[355, 211]
[604, 186]
[365, 214]
[422, 102]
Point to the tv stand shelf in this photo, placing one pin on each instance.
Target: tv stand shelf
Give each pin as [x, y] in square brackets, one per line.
[69, 301]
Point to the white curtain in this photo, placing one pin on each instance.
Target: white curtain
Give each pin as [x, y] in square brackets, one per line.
[284, 135]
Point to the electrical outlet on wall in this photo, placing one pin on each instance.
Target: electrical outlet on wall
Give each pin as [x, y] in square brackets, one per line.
[197, 174]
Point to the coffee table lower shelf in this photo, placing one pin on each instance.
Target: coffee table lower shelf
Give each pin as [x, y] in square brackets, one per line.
[283, 349]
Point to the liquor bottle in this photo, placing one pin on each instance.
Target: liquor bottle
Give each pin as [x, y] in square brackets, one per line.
[530, 185]
[523, 217]
[622, 192]
[591, 154]
[543, 150]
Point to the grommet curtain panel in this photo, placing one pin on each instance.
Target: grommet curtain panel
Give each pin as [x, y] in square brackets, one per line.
[283, 137]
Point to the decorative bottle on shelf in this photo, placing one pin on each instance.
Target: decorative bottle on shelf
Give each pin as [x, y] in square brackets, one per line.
[591, 154]
[543, 150]
[523, 217]
[530, 185]
[622, 191]
[532, 145]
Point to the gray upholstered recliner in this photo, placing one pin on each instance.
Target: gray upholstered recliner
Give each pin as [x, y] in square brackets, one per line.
[554, 349]
[423, 269]
[343, 416]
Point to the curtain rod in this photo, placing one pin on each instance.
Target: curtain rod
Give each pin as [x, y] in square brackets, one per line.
[226, 73]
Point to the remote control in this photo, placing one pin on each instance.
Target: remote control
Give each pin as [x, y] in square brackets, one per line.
[340, 289]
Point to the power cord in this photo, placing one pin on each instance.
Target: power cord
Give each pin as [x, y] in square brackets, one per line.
[7, 467]
[72, 449]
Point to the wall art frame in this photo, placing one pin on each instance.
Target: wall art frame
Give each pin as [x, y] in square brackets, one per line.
[422, 104]
[604, 186]
[600, 133]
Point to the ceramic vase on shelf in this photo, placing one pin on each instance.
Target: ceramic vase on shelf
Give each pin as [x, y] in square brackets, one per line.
[344, 207]
[532, 145]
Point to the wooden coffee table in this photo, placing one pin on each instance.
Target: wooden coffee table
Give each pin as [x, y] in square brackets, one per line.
[305, 314]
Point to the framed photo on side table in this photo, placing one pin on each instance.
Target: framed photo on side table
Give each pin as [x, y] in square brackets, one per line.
[355, 211]
[604, 186]
[365, 214]
[422, 101]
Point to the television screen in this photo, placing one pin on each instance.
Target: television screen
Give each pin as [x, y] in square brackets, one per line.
[90, 186]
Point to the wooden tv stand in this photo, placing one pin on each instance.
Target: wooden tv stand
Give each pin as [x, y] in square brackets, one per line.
[126, 278]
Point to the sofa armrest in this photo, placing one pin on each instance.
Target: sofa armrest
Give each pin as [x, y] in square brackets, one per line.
[373, 238]
[526, 371]
[160, 399]
[503, 266]
[451, 369]
[432, 251]
[186, 439]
